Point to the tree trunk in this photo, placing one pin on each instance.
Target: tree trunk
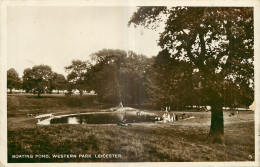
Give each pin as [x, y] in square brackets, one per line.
[11, 90]
[118, 89]
[216, 134]
[39, 93]
[81, 93]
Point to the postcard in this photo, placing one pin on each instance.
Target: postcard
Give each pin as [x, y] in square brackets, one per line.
[129, 83]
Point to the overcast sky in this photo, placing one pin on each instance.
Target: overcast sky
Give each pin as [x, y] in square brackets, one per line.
[55, 36]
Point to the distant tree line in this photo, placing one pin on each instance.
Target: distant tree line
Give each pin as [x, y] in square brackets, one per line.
[38, 79]
[118, 76]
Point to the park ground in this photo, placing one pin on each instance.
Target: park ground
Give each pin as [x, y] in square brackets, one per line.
[141, 142]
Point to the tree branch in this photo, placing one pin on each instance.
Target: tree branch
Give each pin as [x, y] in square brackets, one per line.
[196, 61]
[202, 43]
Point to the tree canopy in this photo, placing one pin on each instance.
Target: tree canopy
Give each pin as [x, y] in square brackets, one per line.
[171, 83]
[13, 80]
[27, 83]
[218, 41]
[118, 76]
[77, 75]
[37, 79]
[58, 82]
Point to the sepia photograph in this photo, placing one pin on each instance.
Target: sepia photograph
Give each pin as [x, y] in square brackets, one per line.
[130, 83]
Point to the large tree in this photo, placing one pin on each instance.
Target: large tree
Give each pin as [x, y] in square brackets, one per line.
[58, 82]
[118, 76]
[27, 80]
[106, 76]
[42, 75]
[38, 79]
[133, 77]
[77, 75]
[13, 80]
[171, 83]
[217, 41]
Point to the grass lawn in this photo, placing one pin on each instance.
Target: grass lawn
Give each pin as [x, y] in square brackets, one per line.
[141, 142]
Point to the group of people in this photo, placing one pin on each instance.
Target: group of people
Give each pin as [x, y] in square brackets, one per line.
[167, 117]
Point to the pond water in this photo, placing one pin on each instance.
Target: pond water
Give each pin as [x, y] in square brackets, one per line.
[98, 118]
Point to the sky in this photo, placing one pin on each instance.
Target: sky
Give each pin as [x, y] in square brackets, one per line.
[55, 36]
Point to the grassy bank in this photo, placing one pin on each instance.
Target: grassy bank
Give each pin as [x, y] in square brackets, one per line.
[47, 101]
[143, 142]
[135, 143]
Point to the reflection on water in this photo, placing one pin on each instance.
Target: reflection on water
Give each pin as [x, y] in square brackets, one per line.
[99, 118]
[73, 120]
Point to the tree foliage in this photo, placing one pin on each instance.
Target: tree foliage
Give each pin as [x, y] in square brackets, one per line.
[77, 75]
[58, 82]
[118, 76]
[37, 79]
[13, 80]
[217, 41]
[27, 80]
[172, 83]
